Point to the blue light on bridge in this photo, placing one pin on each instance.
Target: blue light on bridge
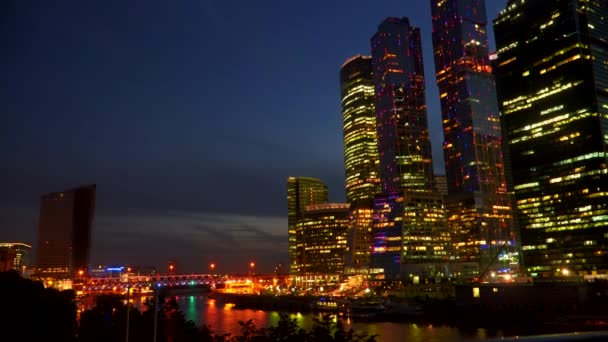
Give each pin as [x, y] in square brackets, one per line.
[115, 269]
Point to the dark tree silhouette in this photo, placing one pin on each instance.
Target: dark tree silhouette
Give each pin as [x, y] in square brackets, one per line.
[29, 312]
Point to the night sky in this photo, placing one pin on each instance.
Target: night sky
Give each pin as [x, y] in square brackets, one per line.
[188, 114]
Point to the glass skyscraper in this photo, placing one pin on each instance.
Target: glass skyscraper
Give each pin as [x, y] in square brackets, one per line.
[552, 81]
[360, 157]
[404, 146]
[478, 205]
[409, 232]
[359, 129]
[64, 232]
[301, 192]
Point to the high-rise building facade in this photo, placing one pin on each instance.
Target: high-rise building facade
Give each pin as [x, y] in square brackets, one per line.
[359, 130]
[359, 238]
[322, 241]
[410, 235]
[301, 192]
[16, 257]
[441, 184]
[404, 145]
[387, 235]
[64, 232]
[360, 157]
[552, 81]
[469, 108]
[401, 211]
[472, 137]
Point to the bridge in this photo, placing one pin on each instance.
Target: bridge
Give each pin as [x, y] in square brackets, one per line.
[147, 283]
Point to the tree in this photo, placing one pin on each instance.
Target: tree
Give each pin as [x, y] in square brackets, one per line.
[30, 312]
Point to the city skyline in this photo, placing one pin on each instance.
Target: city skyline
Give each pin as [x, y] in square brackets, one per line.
[159, 178]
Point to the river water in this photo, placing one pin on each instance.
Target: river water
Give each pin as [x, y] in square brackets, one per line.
[222, 318]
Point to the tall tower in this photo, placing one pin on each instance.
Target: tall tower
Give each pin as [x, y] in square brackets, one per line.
[301, 192]
[401, 119]
[469, 108]
[408, 230]
[359, 129]
[477, 203]
[360, 157]
[64, 232]
[552, 81]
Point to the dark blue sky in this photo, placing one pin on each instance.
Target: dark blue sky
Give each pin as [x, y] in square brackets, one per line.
[188, 114]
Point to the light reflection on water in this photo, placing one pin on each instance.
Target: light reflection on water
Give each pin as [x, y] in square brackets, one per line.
[222, 318]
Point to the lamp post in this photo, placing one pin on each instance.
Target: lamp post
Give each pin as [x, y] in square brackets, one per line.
[128, 307]
[251, 266]
[212, 268]
[156, 311]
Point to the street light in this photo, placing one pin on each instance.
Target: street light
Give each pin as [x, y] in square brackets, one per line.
[251, 266]
[212, 267]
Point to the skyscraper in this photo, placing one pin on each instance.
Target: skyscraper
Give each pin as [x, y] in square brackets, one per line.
[472, 138]
[322, 242]
[360, 157]
[301, 192]
[359, 130]
[64, 232]
[406, 212]
[552, 81]
[401, 119]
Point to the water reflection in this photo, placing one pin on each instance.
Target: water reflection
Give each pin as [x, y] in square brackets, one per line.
[222, 318]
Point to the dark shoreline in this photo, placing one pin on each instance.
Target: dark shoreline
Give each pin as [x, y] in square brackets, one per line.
[440, 313]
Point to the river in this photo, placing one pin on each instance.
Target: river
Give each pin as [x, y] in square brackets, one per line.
[222, 318]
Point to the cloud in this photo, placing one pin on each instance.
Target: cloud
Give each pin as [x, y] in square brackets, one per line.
[192, 238]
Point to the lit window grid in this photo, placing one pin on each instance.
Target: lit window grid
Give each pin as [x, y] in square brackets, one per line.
[561, 200]
[301, 192]
[322, 241]
[359, 130]
[403, 141]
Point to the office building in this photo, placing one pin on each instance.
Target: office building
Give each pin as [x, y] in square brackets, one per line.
[360, 157]
[359, 130]
[472, 137]
[64, 232]
[322, 243]
[15, 256]
[301, 192]
[404, 146]
[359, 238]
[552, 82]
[410, 236]
[401, 210]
